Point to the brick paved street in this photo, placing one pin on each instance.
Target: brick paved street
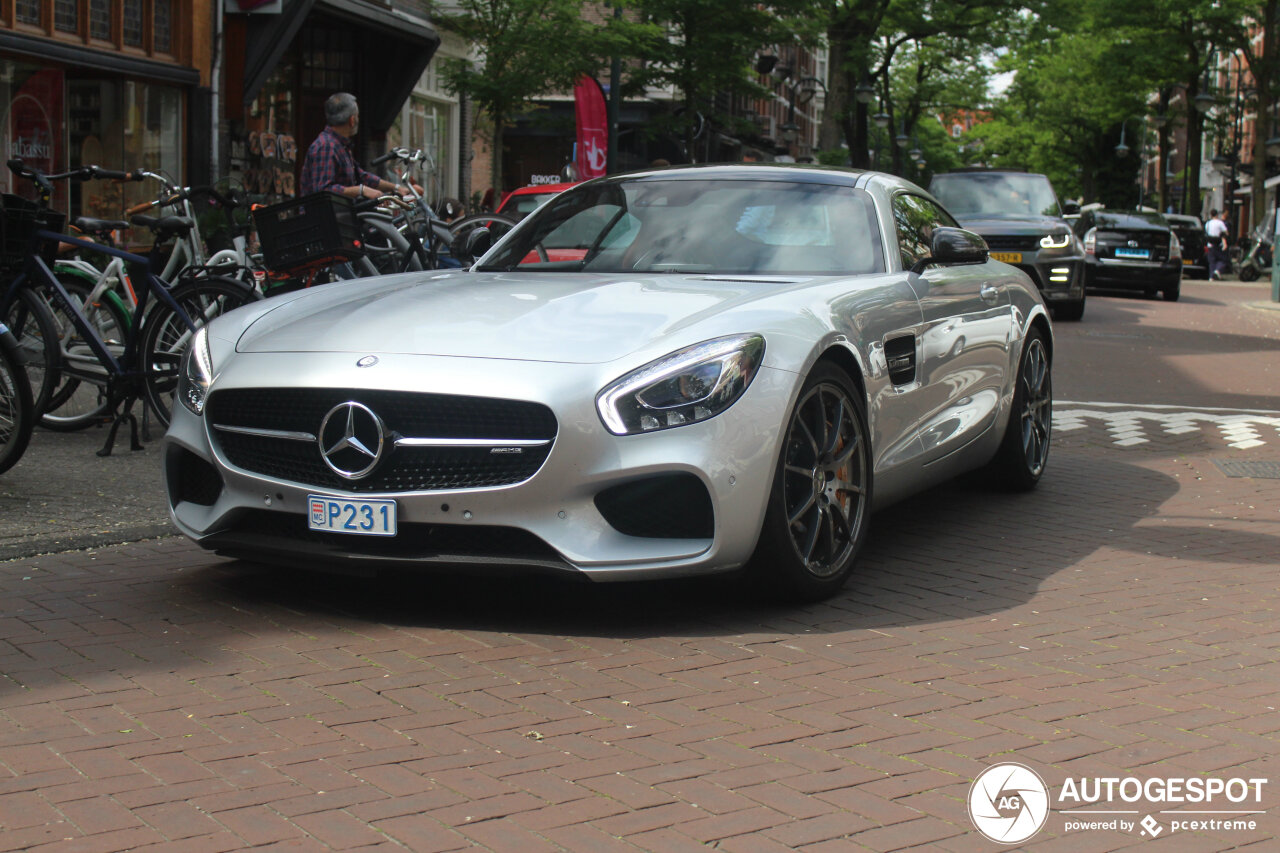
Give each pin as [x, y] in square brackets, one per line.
[1119, 621]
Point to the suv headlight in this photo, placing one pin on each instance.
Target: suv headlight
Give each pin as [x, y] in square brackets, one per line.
[196, 372]
[1055, 241]
[687, 386]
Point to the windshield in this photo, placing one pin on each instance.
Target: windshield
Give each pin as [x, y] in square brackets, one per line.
[719, 226]
[995, 194]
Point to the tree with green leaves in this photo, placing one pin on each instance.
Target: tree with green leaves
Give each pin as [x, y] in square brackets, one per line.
[525, 48]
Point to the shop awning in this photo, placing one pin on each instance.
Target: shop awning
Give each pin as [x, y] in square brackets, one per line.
[400, 46]
[42, 50]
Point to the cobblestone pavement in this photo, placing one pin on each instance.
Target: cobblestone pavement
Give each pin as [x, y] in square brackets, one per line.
[1120, 621]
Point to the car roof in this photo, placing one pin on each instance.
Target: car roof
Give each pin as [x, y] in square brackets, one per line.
[1130, 218]
[1182, 219]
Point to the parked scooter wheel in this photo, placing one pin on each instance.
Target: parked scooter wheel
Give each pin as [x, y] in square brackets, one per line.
[1248, 272]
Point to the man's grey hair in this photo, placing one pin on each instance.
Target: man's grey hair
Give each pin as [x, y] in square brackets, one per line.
[339, 108]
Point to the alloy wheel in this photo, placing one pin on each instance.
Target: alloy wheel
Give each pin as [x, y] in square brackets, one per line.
[825, 479]
[1037, 406]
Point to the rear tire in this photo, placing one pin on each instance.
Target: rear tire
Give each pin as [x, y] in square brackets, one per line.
[1069, 312]
[1172, 292]
[820, 501]
[17, 406]
[1248, 272]
[73, 407]
[165, 336]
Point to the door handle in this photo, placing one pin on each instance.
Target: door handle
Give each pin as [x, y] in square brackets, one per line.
[989, 293]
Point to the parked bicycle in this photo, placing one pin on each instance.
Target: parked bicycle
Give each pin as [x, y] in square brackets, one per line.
[101, 380]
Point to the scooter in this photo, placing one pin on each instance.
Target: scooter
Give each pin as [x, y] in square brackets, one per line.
[1258, 259]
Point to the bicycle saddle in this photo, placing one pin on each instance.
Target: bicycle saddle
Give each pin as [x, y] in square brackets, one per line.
[99, 226]
[164, 225]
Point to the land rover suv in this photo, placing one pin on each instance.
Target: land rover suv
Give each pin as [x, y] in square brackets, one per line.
[1019, 216]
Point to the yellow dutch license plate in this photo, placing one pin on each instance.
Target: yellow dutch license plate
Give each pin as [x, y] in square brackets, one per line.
[1007, 257]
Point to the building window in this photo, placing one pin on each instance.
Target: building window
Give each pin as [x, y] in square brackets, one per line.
[100, 19]
[29, 12]
[328, 60]
[66, 17]
[133, 23]
[163, 21]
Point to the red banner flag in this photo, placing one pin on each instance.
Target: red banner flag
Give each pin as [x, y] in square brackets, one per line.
[593, 127]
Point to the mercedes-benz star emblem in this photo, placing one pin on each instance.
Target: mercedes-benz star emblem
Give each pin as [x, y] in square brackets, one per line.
[367, 361]
[351, 440]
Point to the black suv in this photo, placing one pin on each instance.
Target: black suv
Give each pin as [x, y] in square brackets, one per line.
[1019, 216]
[1131, 249]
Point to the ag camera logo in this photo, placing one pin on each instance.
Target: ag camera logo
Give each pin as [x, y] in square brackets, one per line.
[1009, 803]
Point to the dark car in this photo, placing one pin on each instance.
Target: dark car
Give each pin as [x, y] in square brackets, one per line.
[1019, 216]
[1195, 256]
[1131, 250]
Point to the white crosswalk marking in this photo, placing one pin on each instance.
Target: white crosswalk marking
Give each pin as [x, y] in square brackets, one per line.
[1130, 425]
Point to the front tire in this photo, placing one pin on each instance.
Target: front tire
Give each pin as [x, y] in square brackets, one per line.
[820, 501]
[1070, 312]
[1023, 453]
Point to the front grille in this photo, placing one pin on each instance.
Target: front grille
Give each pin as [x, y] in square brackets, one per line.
[405, 414]
[670, 506]
[1001, 242]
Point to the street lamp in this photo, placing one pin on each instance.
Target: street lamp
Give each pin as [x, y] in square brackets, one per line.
[802, 91]
[864, 92]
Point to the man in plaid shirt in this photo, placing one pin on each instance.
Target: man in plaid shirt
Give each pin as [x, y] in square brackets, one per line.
[329, 164]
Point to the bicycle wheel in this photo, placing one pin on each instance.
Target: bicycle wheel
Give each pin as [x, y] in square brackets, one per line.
[72, 406]
[166, 336]
[31, 320]
[17, 407]
[385, 247]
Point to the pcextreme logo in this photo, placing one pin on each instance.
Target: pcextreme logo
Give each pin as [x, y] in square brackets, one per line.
[1009, 803]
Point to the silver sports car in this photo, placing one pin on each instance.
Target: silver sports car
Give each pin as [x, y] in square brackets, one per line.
[656, 374]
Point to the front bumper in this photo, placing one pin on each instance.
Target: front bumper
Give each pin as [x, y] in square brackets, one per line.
[1059, 276]
[555, 520]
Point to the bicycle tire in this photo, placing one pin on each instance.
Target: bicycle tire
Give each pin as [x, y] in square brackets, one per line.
[73, 406]
[165, 337]
[385, 247]
[17, 405]
[31, 320]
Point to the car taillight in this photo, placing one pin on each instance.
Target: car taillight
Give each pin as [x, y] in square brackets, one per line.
[1175, 247]
[1091, 241]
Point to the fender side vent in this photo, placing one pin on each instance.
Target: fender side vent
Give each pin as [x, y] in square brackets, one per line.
[900, 354]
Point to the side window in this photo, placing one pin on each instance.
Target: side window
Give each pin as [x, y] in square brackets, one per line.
[915, 219]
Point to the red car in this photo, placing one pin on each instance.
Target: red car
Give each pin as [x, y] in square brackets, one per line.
[520, 203]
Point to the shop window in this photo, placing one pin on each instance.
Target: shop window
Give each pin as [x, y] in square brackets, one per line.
[30, 12]
[162, 17]
[429, 131]
[31, 122]
[66, 17]
[133, 23]
[100, 19]
[122, 125]
[328, 60]
[265, 153]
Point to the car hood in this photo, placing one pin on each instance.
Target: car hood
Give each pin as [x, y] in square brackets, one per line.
[578, 318]
[1013, 225]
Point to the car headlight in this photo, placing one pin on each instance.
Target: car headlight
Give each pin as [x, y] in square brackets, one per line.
[1055, 241]
[691, 385]
[196, 373]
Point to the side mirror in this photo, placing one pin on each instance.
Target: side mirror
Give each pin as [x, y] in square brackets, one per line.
[1070, 208]
[951, 247]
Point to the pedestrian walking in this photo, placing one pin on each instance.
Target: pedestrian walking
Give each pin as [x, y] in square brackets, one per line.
[1216, 231]
[330, 164]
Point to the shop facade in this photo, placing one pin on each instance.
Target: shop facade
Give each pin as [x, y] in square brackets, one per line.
[283, 63]
[121, 84]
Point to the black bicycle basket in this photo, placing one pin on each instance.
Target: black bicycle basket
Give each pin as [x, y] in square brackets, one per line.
[19, 219]
[314, 230]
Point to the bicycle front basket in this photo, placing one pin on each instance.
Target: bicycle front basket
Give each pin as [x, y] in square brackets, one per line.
[314, 230]
[19, 219]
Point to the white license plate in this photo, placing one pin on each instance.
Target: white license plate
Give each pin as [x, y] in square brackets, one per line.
[1140, 254]
[343, 515]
